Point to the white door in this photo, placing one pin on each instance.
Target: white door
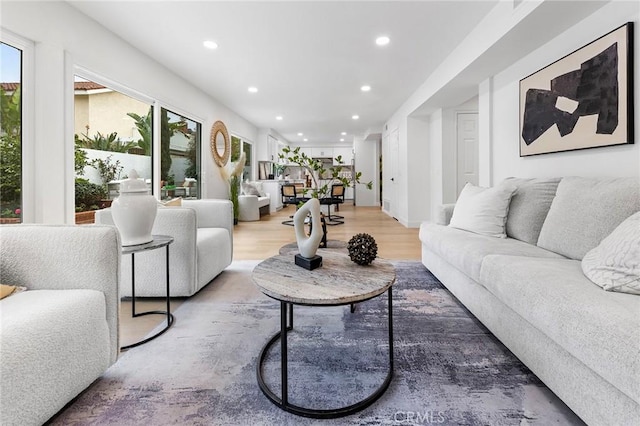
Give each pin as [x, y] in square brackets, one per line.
[467, 150]
[394, 147]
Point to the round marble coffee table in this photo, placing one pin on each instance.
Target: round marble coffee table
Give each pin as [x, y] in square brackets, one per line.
[338, 282]
[292, 248]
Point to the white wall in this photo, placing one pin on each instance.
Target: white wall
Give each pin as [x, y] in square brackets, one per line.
[419, 156]
[503, 117]
[506, 46]
[65, 41]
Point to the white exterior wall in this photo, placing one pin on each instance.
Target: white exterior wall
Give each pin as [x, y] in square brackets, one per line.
[67, 42]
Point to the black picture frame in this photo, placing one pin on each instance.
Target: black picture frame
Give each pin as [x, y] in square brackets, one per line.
[583, 100]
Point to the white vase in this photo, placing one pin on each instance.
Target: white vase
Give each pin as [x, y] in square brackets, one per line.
[134, 211]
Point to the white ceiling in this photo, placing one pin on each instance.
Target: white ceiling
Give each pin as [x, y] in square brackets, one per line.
[308, 59]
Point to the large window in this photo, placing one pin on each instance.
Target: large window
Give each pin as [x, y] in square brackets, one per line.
[179, 156]
[113, 135]
[10, 134]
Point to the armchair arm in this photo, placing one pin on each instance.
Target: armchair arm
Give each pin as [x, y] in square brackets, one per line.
[445, 211]
[212, 213]
[65, 257]
[248, 208]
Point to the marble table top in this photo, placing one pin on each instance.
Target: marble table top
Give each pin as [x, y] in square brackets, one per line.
[292, 248]
[338, 281]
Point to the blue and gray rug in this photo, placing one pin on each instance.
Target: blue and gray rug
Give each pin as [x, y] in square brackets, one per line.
[449, 369]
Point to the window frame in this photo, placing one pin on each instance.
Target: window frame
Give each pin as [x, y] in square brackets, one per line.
[27, 122]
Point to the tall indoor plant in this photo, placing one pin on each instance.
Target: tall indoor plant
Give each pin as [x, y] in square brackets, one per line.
[235, 179]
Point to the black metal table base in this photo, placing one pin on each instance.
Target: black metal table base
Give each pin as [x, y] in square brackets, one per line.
[286, 325]
[134, 314]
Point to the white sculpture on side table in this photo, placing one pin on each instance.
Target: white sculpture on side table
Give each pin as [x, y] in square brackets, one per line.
[308, 246]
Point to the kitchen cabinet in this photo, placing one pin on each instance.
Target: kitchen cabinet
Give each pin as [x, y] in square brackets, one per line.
[272, 149]
[322, 152]
[272, 187]
[345, 152]
[348, 193]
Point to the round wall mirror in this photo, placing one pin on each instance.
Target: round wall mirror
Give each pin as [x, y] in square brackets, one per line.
[220, 145]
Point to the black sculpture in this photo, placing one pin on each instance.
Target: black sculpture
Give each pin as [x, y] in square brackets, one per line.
[362, 249]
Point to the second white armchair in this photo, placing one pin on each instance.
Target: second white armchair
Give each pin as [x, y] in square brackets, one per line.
[202, 248]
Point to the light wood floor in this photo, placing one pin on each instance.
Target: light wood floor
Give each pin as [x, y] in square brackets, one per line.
[262, 239]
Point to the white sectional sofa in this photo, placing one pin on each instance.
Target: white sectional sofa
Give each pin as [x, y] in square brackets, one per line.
[61, 334]
[530, 291]
[202, 248]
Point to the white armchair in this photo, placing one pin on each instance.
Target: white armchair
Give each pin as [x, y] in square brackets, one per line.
[61, 334]
[202, 248]
[250, 207]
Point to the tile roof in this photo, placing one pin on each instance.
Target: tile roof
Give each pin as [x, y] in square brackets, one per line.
[78, 85]
[87, 85]
[9, 87]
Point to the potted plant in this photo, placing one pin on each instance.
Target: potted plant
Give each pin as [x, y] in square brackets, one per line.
[234, 178]
[108, 171]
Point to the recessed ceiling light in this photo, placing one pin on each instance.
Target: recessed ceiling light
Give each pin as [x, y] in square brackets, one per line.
[382, 40]
[300, 133]
[305, 139]
[210, 44]
[355, 117]
[253, 89]
[365, 88]
[279, 117]
[343, 133]
[341, 139]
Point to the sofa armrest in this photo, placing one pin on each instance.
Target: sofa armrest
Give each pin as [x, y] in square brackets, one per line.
[59, 257]
[445, 211]
[212, 213]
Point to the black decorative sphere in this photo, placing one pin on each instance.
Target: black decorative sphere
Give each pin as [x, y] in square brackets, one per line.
[362, 249]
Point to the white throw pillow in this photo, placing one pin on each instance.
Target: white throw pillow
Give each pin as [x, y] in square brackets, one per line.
[249, 188]
[483, 210]
[614, 264]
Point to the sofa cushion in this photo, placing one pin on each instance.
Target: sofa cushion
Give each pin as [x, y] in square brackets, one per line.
[585, 211]
[8, 290]
[601, 329]
[529, 207]
[483, 210]
[466, 250]
[249, 189]
[615, 264]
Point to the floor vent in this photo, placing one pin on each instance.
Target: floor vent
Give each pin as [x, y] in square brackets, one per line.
[386, 206]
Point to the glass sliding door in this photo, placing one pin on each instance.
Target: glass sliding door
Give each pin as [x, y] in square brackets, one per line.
[10, 134]
[180, 156]
[113, 135]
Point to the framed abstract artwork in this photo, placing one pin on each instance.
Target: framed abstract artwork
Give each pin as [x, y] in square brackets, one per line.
[584, 100]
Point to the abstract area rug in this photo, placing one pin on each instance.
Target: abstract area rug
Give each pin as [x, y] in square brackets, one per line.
[448, 368]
